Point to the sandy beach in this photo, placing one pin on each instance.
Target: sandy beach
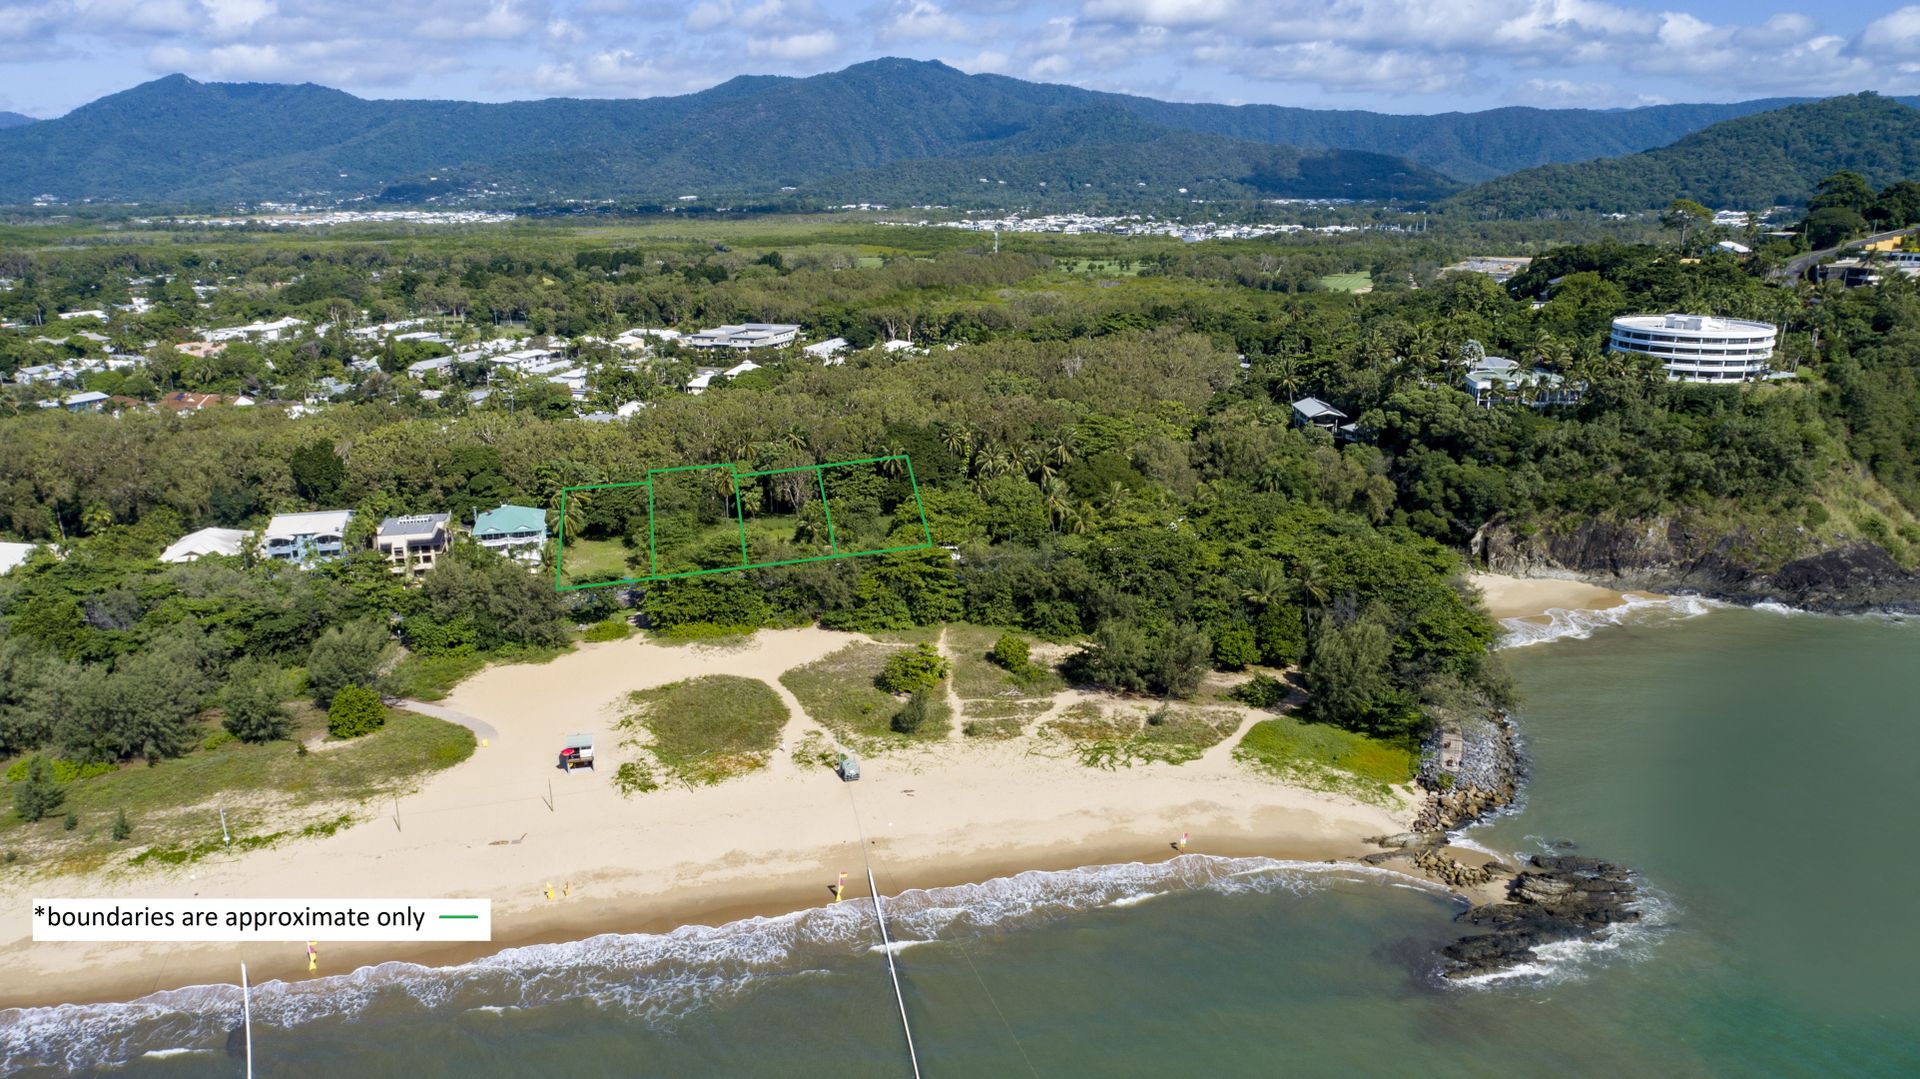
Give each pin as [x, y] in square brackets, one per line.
[1533, 597]
[505, 824]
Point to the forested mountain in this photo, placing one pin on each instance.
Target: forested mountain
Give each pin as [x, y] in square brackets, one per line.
[179, 140]
[1752, 162]
[14, 119]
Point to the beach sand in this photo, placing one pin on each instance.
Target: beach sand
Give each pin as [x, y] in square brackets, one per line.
[506, 823]
[1533, 597]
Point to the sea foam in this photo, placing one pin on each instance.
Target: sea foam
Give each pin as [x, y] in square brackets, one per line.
[657, 978]
[1562, 624]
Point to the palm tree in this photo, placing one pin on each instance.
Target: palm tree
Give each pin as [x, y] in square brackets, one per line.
[574, 521]
[1063, 448]
[1310, 580]
[1268, 586]
[893, 461]
[1114, 497]
[959, 441]
[1058, 505]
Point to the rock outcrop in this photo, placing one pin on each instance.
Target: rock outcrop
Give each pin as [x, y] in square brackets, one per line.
[1557, 898]
[1745, 565]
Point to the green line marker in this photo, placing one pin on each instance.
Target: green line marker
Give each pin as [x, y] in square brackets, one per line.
[469, 916]
[739, 511]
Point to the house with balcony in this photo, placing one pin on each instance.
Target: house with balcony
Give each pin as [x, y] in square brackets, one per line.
[410, 544]
[1510, 385]
[306, 538]
[518, 532]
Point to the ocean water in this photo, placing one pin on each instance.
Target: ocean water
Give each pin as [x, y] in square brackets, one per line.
[1754, 767]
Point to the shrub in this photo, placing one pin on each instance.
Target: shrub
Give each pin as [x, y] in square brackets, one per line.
[913, 715]
[612, 629]
[356, 710]
[916, 668]
[121, 829]
[1012, 653]
[64, 771]
[39, 794]
[1261, 691]
[1235, 647]
[349, 655]
[252, 702]
[217, 739]
[71, 822]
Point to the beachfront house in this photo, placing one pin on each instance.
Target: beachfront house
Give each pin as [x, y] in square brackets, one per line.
[207, 541]
[412, 542]
[518, 532]
[305, 538]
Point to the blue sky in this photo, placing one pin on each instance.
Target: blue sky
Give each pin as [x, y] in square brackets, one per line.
[1389, 55]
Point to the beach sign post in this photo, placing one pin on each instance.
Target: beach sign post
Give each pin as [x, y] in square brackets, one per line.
[840, 889]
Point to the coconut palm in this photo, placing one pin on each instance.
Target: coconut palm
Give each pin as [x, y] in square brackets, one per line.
[1310, 581]
[1059, 505]
[1268, 585]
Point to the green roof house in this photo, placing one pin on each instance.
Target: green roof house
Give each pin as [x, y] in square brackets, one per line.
[514, 531]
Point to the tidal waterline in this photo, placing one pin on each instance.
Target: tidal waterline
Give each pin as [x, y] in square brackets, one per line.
[1753, 768]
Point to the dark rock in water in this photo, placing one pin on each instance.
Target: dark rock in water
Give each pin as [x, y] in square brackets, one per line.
[1557, 897]
[1565, 844]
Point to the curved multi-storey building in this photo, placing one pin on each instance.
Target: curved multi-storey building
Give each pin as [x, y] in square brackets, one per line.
[1697, 348]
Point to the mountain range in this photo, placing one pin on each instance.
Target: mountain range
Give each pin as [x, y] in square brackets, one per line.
[888, 130]
[14, 119]
[1753, 162]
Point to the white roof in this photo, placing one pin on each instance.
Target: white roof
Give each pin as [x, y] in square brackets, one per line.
[204, 542]
[314, 523]
[742, 368]
[826, 348]
[1692, 324]
[12, 555]
[896, 345]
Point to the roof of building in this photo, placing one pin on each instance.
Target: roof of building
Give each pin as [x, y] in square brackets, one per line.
[13, 555]
[1313, 407]
[311, 523]
[87, 398]
[413, 524]
[204, 542]
[1691, 324]
[508, 519]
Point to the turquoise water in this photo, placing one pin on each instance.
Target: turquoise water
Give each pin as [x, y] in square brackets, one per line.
[1753, 767]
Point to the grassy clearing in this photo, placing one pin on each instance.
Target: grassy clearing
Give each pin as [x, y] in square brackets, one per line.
[1121, 737]
[977, 678]
[587, 558]
[988, 730]
[1348, 282]
[1327, 758]
[271, 792]
[838, 691]
[703, 731]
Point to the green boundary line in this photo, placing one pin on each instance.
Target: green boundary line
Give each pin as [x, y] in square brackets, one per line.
[739, 513]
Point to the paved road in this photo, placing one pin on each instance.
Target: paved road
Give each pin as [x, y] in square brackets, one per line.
[480, 727]
[1797, 269]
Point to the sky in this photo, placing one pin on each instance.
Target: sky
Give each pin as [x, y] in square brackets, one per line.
[1389, 55]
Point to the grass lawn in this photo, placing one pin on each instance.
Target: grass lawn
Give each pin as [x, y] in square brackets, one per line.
[584, 558]
[1348, 282]
[838, 691]
[431, 678]
[703, 731]
[270, 792]
[977, 678]
[1327, 758]
[1123, 736]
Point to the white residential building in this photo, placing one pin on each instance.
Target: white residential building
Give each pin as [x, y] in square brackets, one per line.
[258, 331]
[306, 537]
[207, 541]
[746, 335]
[1699, 348]
[827, 351]
[411, 543]
[1507, 385]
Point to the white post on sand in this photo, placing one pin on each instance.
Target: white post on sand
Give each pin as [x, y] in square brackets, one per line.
[246, 1016]
[225, 836]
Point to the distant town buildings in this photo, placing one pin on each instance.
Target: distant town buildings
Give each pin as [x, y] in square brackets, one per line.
[1501, 268]
[1699, 348]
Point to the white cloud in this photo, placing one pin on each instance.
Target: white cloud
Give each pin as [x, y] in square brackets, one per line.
[1337, 67]
[231, 16]
[1895, 34]
[923, 19]
[808, 46]
[1567, 94]
[501, 21]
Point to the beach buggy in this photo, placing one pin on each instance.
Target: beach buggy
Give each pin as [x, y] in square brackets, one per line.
[576, 752]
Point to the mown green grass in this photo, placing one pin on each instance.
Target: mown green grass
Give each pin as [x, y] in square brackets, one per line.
[269, 791]
[838, 692]
[705, 730]
[1347, 282]
[1121, 737]
[584, 558]
[1327, 758]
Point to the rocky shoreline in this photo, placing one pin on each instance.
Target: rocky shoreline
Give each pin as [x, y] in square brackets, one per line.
[1468, 772]
[1674, 556]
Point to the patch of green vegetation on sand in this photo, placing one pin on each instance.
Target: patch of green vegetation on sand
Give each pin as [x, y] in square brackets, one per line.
[1121, 737]
[1327, 758]
[839, 692]
[703, 731]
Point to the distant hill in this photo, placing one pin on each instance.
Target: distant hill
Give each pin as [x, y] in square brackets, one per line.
[14, 119]
[1755, 161]
[848, 134]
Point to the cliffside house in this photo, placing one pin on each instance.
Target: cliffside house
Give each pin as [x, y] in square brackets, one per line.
[517, 532]
[1510, 386]
[1313, 412]
[305, 538]
[411, 543]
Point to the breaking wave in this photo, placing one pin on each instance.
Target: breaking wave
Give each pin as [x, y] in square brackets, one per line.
[1562, 624]
[1568, 960]
[653, 977]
